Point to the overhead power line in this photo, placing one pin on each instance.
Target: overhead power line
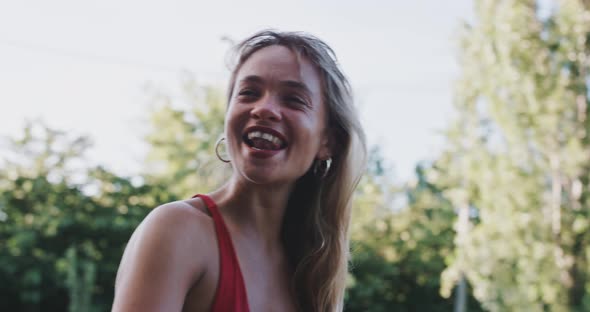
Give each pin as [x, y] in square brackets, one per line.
[94, 58]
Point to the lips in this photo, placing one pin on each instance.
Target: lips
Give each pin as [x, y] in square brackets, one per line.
[264, 138]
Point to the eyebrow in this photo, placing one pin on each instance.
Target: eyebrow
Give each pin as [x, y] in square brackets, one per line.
[287, 83]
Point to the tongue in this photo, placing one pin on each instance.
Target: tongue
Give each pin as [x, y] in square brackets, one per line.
[264, 144]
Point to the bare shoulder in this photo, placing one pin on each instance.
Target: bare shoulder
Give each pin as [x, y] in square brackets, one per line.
[176, 224]
[180, 217]
[179, 225]
[167, 255]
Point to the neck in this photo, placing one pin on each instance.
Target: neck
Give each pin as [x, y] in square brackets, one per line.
[255, 210]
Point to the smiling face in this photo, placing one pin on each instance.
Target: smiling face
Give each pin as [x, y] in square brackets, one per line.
[276, 121]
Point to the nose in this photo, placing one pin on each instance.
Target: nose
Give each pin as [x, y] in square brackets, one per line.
[267, 108]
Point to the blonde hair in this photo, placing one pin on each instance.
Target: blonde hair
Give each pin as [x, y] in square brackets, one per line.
[315, 227]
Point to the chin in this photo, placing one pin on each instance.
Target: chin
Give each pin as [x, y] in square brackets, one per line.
[265, 177]
[262, 179]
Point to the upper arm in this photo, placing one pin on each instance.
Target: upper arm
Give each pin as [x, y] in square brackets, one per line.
[159, 264]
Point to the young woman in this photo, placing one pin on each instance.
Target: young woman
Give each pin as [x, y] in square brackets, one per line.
[275, 236]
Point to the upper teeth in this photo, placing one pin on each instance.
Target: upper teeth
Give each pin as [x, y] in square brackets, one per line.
[266, 136]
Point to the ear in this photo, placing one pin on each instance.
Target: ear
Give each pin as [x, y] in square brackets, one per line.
[326, 145]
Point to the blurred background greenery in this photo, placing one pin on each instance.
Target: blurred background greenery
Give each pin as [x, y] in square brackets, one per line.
[498, 222]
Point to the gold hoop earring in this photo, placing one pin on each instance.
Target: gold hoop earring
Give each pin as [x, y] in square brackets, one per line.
[217, 150]
[322, 167]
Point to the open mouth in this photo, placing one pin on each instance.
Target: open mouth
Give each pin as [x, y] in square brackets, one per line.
[264, 140]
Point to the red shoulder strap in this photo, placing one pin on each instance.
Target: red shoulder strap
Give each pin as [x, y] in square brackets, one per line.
[231, 291]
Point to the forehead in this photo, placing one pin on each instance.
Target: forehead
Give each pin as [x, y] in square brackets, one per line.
[277, 64]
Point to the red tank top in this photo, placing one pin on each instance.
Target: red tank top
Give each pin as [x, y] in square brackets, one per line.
[231, 291]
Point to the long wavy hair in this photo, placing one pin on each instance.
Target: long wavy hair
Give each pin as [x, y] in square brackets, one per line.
[316, 222]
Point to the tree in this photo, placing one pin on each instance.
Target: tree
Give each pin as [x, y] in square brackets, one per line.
[63, 227]
[399, 249]
[183, 131]
[517, 157]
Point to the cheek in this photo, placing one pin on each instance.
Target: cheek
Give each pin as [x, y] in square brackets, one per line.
[310, 137]
[232, 128]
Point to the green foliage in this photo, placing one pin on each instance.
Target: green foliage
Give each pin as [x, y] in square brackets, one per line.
[399, 254]
[62, 240]
[183, 131]
[518, 154]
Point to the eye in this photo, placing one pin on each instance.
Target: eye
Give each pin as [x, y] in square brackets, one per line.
[248, 94]
[295, 100]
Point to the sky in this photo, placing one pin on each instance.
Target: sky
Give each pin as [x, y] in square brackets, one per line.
[82, 66]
